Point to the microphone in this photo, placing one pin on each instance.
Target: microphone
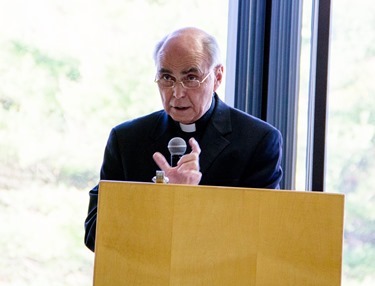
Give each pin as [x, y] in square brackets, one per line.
[177, 148]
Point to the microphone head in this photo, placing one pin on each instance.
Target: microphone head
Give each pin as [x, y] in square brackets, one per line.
[177, 146]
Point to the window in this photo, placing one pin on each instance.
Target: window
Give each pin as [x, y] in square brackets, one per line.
[350, 133]
[69, 71]
[346, 143]
[303, 97]
[350, 158]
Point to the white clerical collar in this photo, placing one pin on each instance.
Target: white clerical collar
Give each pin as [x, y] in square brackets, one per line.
[189, 128]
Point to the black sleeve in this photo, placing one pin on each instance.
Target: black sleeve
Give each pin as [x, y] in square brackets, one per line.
[90, 222]
[265, 171]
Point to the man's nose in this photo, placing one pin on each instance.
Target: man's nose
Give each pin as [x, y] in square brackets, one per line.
[178, 90]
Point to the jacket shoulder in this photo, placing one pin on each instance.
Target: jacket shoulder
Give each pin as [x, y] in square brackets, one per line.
[238, 118]
[142, 123]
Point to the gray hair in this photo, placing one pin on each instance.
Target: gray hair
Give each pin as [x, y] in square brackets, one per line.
[209, 44]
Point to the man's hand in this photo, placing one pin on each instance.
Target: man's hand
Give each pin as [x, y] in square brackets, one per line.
[187, 169]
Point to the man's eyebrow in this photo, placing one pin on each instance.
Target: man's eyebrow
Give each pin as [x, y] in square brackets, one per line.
[164, 70]
[187, 71]
[191, 70]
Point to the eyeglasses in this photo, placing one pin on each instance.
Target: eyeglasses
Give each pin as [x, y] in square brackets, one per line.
[186, 83]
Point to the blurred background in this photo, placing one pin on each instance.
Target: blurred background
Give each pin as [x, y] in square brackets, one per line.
[71, 70]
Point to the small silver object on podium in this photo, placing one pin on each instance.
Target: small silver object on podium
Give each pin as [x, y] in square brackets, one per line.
[160, 178]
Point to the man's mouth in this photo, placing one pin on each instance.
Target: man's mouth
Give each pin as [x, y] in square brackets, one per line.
[180, 108]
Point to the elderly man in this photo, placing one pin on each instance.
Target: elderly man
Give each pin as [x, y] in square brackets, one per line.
[226, 147]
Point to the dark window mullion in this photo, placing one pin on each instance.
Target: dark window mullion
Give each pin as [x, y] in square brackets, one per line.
[315, 169]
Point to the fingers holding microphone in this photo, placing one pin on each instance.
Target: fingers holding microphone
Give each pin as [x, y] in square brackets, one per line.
[188, 165]
[191, 161]
[187, 169]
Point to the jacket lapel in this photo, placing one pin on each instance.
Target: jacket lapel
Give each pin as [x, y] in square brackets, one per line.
[160, 122]
[214, 138]
[160, 134]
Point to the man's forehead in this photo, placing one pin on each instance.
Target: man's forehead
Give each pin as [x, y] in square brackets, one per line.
[182, 63]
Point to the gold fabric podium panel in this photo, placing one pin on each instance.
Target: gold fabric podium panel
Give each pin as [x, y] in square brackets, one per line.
[164, 234]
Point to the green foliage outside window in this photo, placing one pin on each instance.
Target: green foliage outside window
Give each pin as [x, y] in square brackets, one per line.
[69, 72]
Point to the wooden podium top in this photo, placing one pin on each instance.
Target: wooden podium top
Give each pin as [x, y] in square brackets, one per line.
[164, 234]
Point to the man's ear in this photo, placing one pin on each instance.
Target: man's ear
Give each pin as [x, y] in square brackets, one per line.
[219, 70]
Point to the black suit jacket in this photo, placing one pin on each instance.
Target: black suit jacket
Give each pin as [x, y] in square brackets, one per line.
[238, 150]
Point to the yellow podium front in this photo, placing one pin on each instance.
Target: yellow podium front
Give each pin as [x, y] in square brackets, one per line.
[164, 234]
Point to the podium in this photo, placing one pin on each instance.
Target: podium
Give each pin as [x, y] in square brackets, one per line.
[165, 234]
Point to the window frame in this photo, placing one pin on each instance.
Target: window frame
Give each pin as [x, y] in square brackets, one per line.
[263, 58]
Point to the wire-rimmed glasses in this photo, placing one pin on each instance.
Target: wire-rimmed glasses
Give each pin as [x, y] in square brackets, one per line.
[186, 83]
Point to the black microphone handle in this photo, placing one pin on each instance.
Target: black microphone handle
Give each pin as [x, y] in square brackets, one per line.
[174, 160]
